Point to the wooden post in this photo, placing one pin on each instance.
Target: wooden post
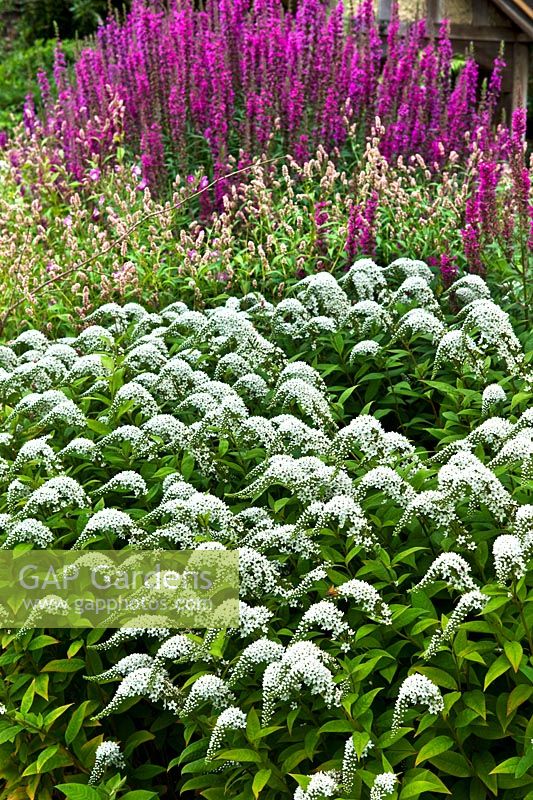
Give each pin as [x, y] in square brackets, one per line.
[480, 13]
[520, 74]
[433, 16]
[384, 10]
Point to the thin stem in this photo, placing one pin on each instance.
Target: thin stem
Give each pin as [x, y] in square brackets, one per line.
[523, 271]
[393, 393]
[126, 234]
[527, 630]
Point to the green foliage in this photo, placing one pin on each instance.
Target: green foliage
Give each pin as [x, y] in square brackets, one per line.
[28, 30]
[31, 20]
[479, 745]
[267, 237]
[18, 76]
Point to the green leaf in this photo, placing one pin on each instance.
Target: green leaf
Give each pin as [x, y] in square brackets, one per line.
[268, 730]
[240, 754]
[281, 503]
[519, 695]
[41, 641]
[51, 717]
[78, 791]
[495, 604]
[363, 703]
[97, 427]
[76, 721]
[194, 767]
[138, 738]
[362, 671]
[41, 685]
[360, 740]
[64, 665]
[404, 554]
[514, 652]
[193, 749]
[346, 394]
[390, 737]
[416, 788]
[336, 726]
[45, 756]
[187, 466]
[74, 648]
[260, 780]
[518, 398]
[47, 761]
[8, 734]
[525, 763]
[450, 699]
[146, 772]
[476, 701]
[434, 747]
[472, 655]
[293, 760]
[484, 764]
[438, 676]
[506, 767]
[427, 721]
[452, 763]
[139, 794]
[253, 725]
[424, 781]
[200, 782]
[27, 698]
[496, 669]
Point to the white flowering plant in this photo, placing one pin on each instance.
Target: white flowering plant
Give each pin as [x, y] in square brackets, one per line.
[379, 497]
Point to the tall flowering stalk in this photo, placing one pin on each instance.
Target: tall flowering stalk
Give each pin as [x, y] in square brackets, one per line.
[447, 268]
[521, 181]
[237, 78]
[499, 210]
[321, 218]
[361, 238]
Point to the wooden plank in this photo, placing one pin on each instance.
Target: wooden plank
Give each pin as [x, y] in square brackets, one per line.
[384, 10]
[480, 13]
[520, 11]
[520, 74]
[433, 11]
[486, 33]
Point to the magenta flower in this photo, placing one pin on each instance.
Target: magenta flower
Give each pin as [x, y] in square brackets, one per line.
[472, 248]
[321, 218]
[486, 198]
[448, 269]
[153, 156]
[361, 239]
[184, 85]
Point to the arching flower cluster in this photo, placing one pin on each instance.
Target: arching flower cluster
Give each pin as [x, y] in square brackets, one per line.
[108, 754]
[189, 429]
[384, 306]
